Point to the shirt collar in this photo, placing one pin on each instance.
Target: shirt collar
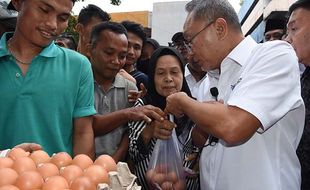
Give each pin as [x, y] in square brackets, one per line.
[244, 48]
[117, 83]
[3, 47]
[186, 71]
[49, 51]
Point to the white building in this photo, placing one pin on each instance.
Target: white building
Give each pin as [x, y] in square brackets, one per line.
[167, 19]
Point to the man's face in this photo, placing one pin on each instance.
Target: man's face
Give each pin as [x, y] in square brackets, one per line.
[201, 36]
[85, 32]
[193, 64]
[108, 56]
[298, 30]
[134, 48]
[274, 35]
[180, 46]
[41, 21]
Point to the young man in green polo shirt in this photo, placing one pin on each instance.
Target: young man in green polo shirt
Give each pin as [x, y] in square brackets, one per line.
[47, 93]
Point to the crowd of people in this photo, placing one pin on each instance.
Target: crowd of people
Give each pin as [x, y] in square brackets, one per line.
[240, 108]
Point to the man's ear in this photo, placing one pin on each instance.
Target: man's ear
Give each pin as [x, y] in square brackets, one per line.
[79, 28]
[221, 28]
[89, 48]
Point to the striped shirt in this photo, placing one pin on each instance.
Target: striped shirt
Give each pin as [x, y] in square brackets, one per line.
[141, 153]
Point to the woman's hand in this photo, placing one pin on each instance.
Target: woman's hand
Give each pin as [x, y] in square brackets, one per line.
[163, 130]
[158, 130]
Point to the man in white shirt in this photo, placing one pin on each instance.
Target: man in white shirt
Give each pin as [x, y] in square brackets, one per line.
[261, 121]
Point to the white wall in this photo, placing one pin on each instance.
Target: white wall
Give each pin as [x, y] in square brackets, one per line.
[167, 19]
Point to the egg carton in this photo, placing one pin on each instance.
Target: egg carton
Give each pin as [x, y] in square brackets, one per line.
[122, 179]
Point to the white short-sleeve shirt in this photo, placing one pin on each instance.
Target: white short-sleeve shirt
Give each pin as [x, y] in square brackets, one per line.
[199, 89]
[262, 79]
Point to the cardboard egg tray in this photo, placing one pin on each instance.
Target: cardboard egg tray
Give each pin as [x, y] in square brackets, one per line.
[122, 179]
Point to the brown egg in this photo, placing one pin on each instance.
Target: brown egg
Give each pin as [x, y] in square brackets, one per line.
[82, 183]
[29, 180]
[97, 174]
[9, 187]
[39, 157]
[61, 159]
[23, 164]
[6, 162]
[71, 172]
[166, 185]
[179, 185]
[82, 160]
[107, 162]
[47, 170]
[55, 183]
[17, 152]
[172, 177]
[161, 168]
[8, 176]
[149, 175]
[159, 178]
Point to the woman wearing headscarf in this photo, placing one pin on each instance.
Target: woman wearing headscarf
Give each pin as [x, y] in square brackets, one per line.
[166, 76]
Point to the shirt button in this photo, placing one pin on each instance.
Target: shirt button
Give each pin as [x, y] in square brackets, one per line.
[17, 75]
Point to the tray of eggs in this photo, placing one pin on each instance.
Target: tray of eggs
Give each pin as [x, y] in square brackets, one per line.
[22, 170]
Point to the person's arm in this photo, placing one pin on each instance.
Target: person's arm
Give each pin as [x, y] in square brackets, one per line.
[121, 152]
[229, 123]
[83, 138]
[127, 76]
[199, 137]
[104, 124]
[134, 95]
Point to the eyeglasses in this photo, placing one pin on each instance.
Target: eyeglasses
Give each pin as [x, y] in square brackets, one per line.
[189, 44]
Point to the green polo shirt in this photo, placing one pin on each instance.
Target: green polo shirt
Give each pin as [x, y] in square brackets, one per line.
[40, 106]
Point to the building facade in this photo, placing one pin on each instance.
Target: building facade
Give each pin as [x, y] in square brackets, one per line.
[253, 14]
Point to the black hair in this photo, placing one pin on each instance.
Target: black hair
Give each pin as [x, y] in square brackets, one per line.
[153, 42]
[177, 36]
[135, 28]
[91, 11]
[71, 44]
[299, 4]
[11, 6]
[112, 26]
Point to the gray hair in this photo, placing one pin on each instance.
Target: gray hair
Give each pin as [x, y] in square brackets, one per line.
[214, 9]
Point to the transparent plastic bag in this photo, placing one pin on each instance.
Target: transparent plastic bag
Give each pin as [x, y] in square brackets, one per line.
[165, 170]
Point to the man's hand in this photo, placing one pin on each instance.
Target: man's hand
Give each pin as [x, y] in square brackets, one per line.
[29, 147]
[173, 104]
[147, 113]
[134, 95]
